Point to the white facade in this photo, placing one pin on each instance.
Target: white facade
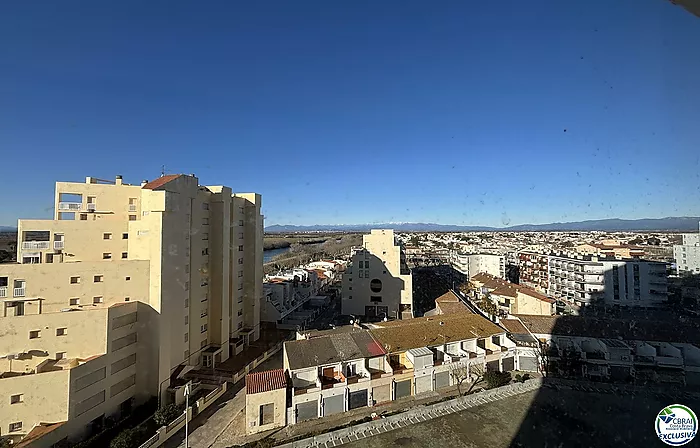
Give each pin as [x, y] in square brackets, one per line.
[629, 282]
[377, 282]
[687, 255]
[472, 264]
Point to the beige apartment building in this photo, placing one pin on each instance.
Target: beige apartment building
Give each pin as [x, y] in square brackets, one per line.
[187, 257]
[378, 282]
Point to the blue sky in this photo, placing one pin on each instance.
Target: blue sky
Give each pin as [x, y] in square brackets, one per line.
[455, 112]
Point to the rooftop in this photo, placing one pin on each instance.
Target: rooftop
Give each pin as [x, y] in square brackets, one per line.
[155, 184]
[331, 347]
[400, 335]
[266, 381]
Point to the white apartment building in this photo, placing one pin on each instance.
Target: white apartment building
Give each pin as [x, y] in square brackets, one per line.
[377, 282]
[190, 254]
[472, 264]
[625, 282]
[687, 255]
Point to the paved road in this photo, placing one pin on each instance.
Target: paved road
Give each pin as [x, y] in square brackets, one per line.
[215, 427]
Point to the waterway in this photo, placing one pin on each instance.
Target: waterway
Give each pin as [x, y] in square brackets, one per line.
[268, 254]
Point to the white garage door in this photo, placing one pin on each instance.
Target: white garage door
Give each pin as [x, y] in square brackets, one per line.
[424, 384]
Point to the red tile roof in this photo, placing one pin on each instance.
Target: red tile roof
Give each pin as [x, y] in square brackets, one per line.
[513, 326]
[152, 185]
[258, 382]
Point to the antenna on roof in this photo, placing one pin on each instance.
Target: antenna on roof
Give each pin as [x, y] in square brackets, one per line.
[162, 170]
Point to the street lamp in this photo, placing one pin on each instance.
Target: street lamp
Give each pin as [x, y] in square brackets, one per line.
[188, 390]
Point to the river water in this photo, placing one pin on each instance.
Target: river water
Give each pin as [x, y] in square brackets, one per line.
[268, 254]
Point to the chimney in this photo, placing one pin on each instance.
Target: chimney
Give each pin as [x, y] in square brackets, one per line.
[119, 180]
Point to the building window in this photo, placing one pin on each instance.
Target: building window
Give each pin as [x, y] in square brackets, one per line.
[240, 261]
[205, 221]
[106, 256]
[187, 337]
[35, 334]
[240, 273]
[187, 303]
[359, 274]
[267, 414]
[107, 236]
[187, 286]
[187, 320]
[125, 236]
[16, 426]
[205, 298]
[145, 213]
[205, 237]
[187, 269]
[205, 251]
[98, 278]
[350, 298]
[205, 206]
[60, 355]
[83, 217]
[203, 313]
[14, 399]
[361, 264]
[240, 248]
[126, 299]
[350, 288]
[203, 343]
[127, 278]
[366, 274]
[187, 355]
[97, 299]
[61, 331]
[75, 301]
[125, 255]
[240, 312]
[74, 280]
[132, 217]
[203, 328]
[240, 325]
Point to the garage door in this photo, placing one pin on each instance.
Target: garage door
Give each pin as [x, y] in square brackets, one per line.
[508, 364]
[442, 379]
[424, 384]
[357, 399]
[492, 366]
[381, 394]
[403, 389]
[528, 363]
[333, 405]
[307, 411]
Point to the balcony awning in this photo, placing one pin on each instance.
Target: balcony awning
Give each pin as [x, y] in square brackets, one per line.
[21, 299]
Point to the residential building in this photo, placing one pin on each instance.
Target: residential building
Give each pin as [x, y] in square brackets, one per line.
[472, 264]
[378, 282]
[292, 298]
[346, 368]
[612, 281]
[650, 351]
[265, 400]
[448, 303]
[610, 248]
[687, 255]
[533, 270]
[189, 255]
[511, 298]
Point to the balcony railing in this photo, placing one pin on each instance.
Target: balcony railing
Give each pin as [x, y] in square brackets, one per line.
[132, 207]
[58, 245]
[3, 292]
[91, 206]
[70, 206]
[36, 244]
[18, 292]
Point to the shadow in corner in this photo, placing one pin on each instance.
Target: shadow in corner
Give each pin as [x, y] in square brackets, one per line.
[610, 372]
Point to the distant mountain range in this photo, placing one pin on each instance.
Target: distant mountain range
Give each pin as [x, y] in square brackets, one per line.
[682, 224]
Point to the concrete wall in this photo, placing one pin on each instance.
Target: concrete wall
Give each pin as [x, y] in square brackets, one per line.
[253, 402]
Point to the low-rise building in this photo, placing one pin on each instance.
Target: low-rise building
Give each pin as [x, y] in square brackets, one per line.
[511, 298]
[265, 400]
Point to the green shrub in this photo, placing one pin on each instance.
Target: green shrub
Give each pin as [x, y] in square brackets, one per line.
[129, 438]
[496, 379]
[167, 414]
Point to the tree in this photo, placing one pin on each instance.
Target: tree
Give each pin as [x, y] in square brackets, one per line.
[487, 305]
[476, 374]
[542, 354]
[167, 414]
[461, 372]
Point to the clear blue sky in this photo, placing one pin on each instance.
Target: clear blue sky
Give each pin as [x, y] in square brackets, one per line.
[461, 112]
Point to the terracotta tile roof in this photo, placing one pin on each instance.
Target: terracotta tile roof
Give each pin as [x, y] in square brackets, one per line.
[502, 287]
[514, 326]
[405, 334]
[258, 382]
[626, 329]
[505, 290]
[449, 303]
[37, 433]
[154, 184]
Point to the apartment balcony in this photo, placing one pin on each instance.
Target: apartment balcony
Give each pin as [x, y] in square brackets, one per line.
[377, 374]
[132, 207]
[36, 245]
[398, 368]
[18, 292]
[70, 206]
[336, 381]
[59, 245]
[359, 378]
[91, 206]
[3, 292]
